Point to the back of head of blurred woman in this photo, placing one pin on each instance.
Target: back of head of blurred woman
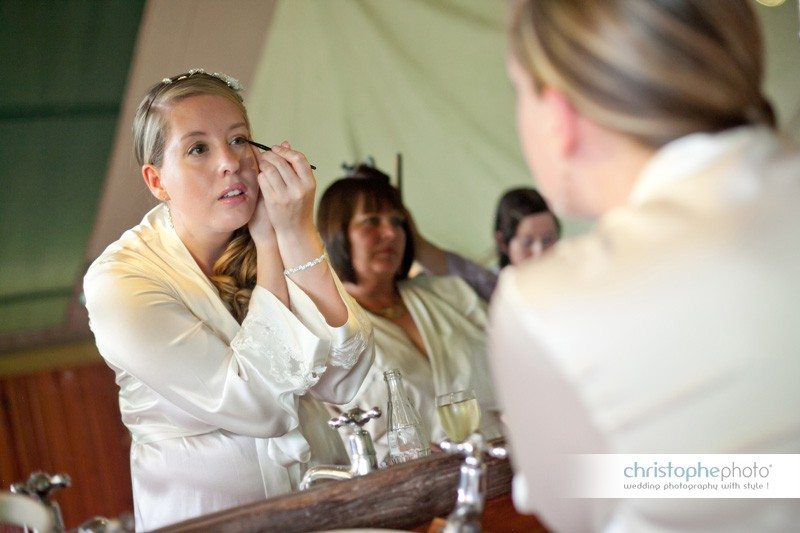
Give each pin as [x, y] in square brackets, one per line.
[670, 327]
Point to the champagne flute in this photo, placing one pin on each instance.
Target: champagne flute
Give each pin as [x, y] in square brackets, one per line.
[459, 414]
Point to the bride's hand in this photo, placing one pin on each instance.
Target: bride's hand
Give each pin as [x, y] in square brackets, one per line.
[288, 186]
[261, 230]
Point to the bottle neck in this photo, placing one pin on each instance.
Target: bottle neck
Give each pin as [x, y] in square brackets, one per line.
[394, 382]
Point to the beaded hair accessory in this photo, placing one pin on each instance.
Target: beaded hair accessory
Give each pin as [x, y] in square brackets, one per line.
[351, 170]
[365, 169]
[230, 81]
[368, 169]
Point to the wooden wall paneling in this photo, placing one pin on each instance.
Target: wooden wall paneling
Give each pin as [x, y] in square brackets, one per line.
[83, 454]
[110, 440]
[61, 448]
[25, 442]
[8, 465]
[89, 402]
[67, 420]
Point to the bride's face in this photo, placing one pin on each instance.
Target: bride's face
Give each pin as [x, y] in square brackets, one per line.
[208, 174]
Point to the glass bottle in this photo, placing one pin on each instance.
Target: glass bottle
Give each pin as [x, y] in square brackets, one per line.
[407, 438]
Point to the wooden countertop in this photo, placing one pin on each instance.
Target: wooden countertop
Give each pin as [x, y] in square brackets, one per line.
[405, 496]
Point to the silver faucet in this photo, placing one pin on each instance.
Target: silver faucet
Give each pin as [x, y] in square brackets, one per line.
[363, 459]
[466, 516]
[39, 487]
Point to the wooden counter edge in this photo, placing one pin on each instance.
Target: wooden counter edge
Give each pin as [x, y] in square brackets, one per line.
[401, 497]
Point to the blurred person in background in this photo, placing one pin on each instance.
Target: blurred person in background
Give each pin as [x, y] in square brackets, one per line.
[524, 228]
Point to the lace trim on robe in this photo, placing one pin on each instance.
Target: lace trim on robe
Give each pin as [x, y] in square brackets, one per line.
[345, 355]
[285, 364]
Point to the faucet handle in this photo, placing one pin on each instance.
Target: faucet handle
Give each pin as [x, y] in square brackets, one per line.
[355, 416]
[40, 485]
[472, 448]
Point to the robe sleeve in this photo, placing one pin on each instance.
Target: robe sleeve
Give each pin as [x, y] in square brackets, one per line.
[247, 386]
[351, 345]
[483, 281]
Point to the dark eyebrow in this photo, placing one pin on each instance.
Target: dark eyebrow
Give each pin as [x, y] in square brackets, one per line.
[201, 133]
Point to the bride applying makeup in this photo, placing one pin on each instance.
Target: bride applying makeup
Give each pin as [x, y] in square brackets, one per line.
[220, 354]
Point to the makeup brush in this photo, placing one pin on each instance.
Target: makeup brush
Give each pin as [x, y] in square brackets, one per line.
[268, 149]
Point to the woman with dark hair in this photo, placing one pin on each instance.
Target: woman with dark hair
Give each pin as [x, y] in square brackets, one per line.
[431, 328]
[524, 228]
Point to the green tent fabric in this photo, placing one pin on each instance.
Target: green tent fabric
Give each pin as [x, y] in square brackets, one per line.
[64, 70]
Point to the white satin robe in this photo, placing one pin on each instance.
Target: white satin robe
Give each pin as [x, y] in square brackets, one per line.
[451, 319]
[671, 328]
[220, 414]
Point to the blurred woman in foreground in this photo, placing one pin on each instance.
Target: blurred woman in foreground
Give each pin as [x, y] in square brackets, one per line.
[671, 327]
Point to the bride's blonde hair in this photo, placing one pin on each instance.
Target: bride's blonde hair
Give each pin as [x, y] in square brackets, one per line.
[234, 273]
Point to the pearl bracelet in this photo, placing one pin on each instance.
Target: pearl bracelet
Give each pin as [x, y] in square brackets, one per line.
[305, 266]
